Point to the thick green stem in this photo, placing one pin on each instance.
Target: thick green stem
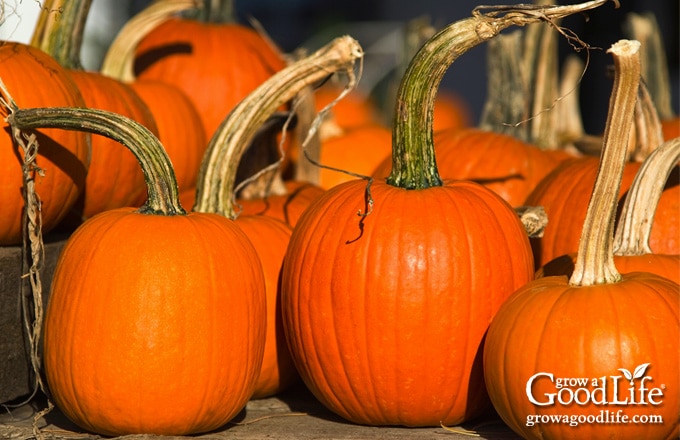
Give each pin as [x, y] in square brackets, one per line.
[413, 160]
[119, 59]
[595, 260]
[637, 217]
[215, 187]
[61, 35]
[163, 195]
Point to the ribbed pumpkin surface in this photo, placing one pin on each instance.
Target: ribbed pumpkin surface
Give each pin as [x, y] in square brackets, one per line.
[172, 345]
[216, 65]
[36, 80]
[565, 193]
[115, 179]
[385, 314]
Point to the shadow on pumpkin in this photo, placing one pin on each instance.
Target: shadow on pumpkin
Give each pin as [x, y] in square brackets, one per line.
[150, 57]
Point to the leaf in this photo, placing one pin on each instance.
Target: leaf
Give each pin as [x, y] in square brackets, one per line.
[640, 371]
[626, 373]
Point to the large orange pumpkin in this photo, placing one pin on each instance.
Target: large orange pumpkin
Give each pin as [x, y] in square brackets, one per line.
[36, 80]
[156, 318]
[215, 62]
[593, 355]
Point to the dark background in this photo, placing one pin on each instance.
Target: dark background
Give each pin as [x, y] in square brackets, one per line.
[309, 23]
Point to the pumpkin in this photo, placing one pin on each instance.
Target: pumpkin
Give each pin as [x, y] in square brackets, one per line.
[179, 125]
[388, 286]
[114, 178]
[208, 57]
[353, 109]
[356, 151]
[503, 163]
[561, 351]
[215, 189]
[179, 128]
[156, 319]
[37, 80]
[508, 159]
[631, 240]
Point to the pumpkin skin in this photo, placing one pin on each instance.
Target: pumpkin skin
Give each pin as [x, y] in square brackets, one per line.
[179, 128]
[270, 237]
[671, 128]
[384, 314]
[36, 80]
[358, 150]
[586, 332]
[206, 60]
[172, 346]
[114, 179]
[287, 207]
[565, 194]
[509, 167]
[667, 266]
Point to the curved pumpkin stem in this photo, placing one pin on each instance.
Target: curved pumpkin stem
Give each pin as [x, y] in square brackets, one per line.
[119, 59]
[595, 260]
[413, 159]
[163, 195]
[637, 217]
[215, 187]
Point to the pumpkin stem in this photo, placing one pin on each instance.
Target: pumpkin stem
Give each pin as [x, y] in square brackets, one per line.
[215, 187]
[637, 217]
[218, 11]
[595, 259]
[118, 61]
[163, 195]
[645, 29]
[523, 87]
[61, 36]
[413, 159]
[648, 131]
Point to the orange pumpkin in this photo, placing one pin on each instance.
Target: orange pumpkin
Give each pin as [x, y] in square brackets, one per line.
[388, 286]
[593, 355]
[208, 59]
[508, 166]
[147, 330]
[114, 179]
[215, 189]
[287, 207]
[36, 80]
[564, 194]
[357, 150]
[632, 252]
[180, 128]
[270, 237]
